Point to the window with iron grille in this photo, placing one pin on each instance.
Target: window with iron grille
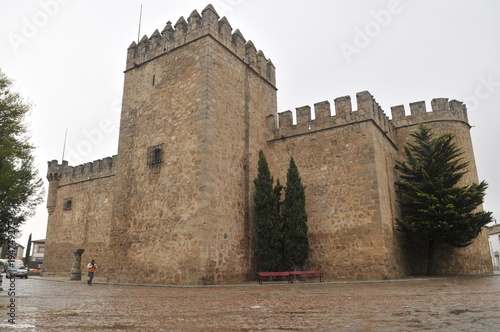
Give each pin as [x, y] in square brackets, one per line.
[155, 155]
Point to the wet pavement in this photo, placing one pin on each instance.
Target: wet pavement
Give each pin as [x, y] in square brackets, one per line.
[437, 304]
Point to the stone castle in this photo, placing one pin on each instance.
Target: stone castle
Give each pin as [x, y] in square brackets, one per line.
[174, 206]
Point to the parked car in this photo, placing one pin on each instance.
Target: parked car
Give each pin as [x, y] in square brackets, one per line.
[18, 270]
[4, 263]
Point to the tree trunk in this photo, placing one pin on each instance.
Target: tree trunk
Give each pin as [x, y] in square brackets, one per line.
[430, 260]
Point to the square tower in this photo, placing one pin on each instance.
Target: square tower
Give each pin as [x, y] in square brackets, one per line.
[195, 101]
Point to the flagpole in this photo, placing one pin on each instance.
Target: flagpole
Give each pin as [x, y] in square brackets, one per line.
[64, 145]
[139, 32]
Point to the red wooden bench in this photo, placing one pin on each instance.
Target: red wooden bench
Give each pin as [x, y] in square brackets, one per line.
[306, 274]
[272, 276]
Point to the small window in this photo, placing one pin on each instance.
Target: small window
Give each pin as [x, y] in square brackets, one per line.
[155, 155]
[67, 204]
[153, 80]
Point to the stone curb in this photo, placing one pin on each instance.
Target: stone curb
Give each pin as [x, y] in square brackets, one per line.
[256, 284]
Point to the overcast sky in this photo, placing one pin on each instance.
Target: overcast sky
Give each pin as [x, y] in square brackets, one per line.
[67, 57]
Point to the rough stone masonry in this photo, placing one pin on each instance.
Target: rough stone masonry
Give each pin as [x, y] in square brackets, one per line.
[174, 206]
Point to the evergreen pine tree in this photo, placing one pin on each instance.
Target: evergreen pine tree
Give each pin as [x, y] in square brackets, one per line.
[433, 207]
[267, 219]
[295, 240]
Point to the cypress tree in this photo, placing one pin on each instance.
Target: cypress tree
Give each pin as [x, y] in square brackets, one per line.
[267, 219]
[295, 240]
[433, 207]
[28, 250]
[277, 193]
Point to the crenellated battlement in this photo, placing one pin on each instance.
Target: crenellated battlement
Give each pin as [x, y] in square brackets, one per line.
[196, 26]
[442, 109]
[367, 109]
[200, 100]
[91, 170]
[56, 170]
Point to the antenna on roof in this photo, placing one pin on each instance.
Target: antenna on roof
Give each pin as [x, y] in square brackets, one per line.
[139, 32]
[64, 146]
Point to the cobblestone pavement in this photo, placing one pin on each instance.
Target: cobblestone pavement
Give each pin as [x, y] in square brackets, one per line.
[444, 304]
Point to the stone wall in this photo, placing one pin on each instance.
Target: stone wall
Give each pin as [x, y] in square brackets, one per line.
[445, 117]
[346, 163]
[85, 222]
[176, 205]
[205, 100]
[242, 99]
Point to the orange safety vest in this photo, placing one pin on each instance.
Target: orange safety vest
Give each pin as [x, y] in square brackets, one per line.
[92, 269]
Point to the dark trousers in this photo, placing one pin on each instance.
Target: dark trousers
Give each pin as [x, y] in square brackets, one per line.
[91, 276]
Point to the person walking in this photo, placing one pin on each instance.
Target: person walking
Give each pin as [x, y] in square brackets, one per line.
[91, 267]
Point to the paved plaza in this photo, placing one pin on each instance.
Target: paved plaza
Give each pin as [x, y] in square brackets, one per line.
[417, 304]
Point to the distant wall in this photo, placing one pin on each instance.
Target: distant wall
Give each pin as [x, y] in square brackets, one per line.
[346, 163]
[347, 158]
[85, 222]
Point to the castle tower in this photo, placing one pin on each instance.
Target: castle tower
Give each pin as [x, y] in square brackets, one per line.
[175, 205]
[54, 174]
[445, 116]
[195, 101]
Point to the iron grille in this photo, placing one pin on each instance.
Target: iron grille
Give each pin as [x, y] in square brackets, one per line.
[155, 155]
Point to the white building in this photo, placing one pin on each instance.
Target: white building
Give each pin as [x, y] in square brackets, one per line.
[38, 252]
[494, 239]
[18, 252]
